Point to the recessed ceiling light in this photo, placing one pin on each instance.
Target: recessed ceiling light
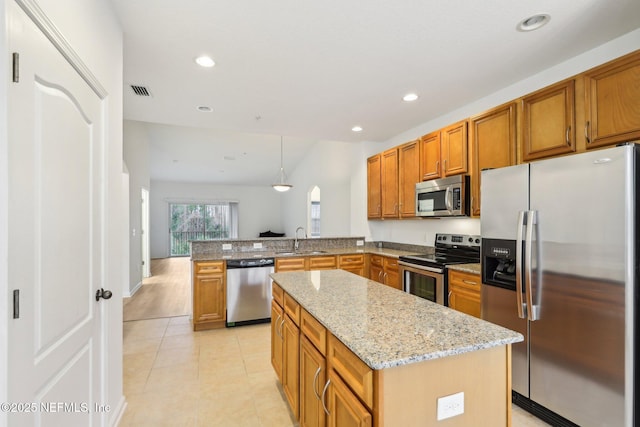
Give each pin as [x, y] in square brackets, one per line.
[356, 129]
[205, 109]
[533, 22]
[410, 97]
[205, 61]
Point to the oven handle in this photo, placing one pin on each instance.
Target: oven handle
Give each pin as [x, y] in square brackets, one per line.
[448, 198]
[421, 267]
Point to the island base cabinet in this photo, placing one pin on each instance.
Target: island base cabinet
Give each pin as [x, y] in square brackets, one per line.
[408, 394]
[291, 364]
[345, 410]
[313, 377]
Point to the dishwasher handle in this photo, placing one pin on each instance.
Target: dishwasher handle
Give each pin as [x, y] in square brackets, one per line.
[250, 263]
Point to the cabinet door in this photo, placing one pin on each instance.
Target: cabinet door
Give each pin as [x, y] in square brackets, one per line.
[454, 149]
[492, 138]
[208, 299]
[548, 122]
[276, 338]
[430, 156]
[291, 364]
[290, 264]
[391, 273]
[408, 175]
[345, 410]
[390, 183]
[613, 102]
[312, 379]
[374, 187]
[464, 292]
[352, 263]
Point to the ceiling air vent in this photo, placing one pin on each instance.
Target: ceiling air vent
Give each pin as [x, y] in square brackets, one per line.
[140, 90]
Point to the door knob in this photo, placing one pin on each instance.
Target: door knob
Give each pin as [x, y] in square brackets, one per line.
[101, 293]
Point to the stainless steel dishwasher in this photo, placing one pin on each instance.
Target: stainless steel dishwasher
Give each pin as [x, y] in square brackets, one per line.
[249, 291]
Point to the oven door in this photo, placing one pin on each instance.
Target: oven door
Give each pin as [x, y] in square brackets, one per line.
[423, 283]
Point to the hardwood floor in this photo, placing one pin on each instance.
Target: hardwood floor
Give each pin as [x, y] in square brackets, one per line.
[167, 293]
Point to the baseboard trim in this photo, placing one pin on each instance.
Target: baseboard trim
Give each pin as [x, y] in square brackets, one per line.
[133, 291]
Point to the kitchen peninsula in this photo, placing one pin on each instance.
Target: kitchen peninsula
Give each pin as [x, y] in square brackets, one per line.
[363, 354]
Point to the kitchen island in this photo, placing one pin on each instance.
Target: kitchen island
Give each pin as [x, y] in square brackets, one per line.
[350, 351]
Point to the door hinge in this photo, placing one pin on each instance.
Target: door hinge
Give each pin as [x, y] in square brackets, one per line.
[16, 303]
[16, 67]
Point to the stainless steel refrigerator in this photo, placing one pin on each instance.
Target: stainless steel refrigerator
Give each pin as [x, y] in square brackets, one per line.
[559, 265]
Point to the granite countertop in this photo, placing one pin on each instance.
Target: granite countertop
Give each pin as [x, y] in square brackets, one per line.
[225, 255]
[386, 327]
[473, 268]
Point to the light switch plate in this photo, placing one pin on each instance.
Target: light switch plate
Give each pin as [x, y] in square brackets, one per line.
[450, 406]
[226, 246]
[257, 245]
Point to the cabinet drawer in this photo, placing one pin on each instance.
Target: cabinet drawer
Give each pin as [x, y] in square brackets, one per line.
[292, 308]
[314, 331]
[351, 260]
[209, 267]
[465, 280]
[322, 262]
[278, 294]
[377, 260]
[390, 264]
[353, 371]
[290, 264]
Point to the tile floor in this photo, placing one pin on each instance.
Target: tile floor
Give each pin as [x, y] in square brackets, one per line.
[176, 377]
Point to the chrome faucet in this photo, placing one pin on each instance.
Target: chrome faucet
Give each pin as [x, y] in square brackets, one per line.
[296, 243]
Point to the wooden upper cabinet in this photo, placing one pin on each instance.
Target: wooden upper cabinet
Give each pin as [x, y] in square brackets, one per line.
[548, 122]
[374, 186]
[408, 176]
[430, 156]
[612, 102]
[390, 183]
[492, 137]
[454, 149]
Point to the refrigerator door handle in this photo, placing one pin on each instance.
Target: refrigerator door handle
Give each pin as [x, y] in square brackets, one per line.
[522, 308]
[533, 311]
[448, 199]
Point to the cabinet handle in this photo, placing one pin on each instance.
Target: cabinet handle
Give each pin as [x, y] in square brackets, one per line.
[449, 299]
[567, 136]
[438, 167]
[469, 282]
[324, 392]
[384, 278]
[281, 326]
[445, 165]
[278, 327]
[586, 132]
[315, 379]
[380, 277]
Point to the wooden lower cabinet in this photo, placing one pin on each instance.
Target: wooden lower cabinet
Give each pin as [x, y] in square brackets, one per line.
[291, 364]
[352, 263]
[209, 304]
[290, 264]
[345, 410]
[276, 337]
[464, 292]
[384, 270]
[322, 262]
[313, 376]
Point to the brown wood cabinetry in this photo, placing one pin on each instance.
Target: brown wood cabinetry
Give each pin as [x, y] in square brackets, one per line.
[430, 156]
[276, 336]
[492, 137]
[454, 149]
[374, 187]
[548, 121]
[322, 262]
[464, 292]
[384, 270]
[408, 177]
[313, 374]
[291, 264]
[209, 304]
[352, 263]
[390, 183]
[346, 410]
[612, 102]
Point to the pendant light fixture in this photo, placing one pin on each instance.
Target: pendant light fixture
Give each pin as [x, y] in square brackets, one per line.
[281, 180]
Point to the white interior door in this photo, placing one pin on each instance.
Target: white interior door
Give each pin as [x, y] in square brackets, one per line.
[56, 235]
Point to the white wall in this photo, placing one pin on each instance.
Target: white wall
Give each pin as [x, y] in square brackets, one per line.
[259, 208]
[91, 27]
[327, 165]
[136, 157]
[421, 231]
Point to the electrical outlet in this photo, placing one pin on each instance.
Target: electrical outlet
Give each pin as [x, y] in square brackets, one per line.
[226, 246]
[359, 242]
[450, 406]
[257, 245]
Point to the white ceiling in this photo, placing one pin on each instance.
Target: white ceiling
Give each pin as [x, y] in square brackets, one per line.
[310, 71]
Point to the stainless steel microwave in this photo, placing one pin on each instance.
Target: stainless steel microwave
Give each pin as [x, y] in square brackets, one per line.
[443, 197]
